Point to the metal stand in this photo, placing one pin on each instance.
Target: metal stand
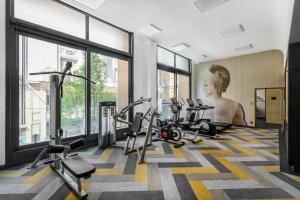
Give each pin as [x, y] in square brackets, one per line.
[107, 124]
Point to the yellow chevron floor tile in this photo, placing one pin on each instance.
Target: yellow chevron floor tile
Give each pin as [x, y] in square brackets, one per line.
[141, 173]
[39, 176]
[11, 173]
[194, 170]
[252, 140]
[106, 154]
[233, 168]
[73, 196]
[154, 152]
[273, 150]
[270, 168]
[222, 151]
[244, 150]
[177, 152]
[200, 190]
[108, 172]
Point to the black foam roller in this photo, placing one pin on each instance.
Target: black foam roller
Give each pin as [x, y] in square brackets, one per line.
[56, 149]
[76, 144]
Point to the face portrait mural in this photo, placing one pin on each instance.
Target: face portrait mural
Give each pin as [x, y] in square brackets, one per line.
[216, 82]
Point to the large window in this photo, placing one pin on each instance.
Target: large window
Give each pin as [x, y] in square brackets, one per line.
[173, 80]
[52, 15]
[43, 36]
[166, 91]
[107, 35]
[111, 75]
[36, 56]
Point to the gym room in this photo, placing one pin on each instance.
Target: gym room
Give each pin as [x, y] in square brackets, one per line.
[149, 99]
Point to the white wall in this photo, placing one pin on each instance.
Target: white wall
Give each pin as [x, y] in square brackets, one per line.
[2, 82]
[144, 68]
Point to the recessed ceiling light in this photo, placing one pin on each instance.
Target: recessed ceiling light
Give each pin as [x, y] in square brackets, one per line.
[232, 31]
[244, 48]
[150, 30]
[93, 4]
[181, 47]
[206, 5]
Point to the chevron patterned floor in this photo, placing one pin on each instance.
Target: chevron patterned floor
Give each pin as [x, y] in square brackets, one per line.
[243, 164]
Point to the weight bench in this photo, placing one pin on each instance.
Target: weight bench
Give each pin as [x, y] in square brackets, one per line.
[75, 166]
[78, 168]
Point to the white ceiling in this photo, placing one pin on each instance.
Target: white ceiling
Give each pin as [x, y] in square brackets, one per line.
[266, 23]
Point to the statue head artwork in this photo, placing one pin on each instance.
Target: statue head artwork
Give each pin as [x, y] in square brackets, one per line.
[217, 81]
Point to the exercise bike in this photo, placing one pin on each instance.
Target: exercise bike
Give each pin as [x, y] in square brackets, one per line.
[169, 131]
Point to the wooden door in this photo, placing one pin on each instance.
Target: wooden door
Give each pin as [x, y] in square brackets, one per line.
[273, 105]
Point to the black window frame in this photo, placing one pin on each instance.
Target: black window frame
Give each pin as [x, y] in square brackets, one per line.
[174, 70]
[16, 154]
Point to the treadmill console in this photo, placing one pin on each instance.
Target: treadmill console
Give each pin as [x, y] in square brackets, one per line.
[190, 102]
[199, 101]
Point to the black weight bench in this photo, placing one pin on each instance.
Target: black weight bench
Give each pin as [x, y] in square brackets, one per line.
[78, 167]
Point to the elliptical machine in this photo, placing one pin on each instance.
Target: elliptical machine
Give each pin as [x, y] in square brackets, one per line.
[198, 125]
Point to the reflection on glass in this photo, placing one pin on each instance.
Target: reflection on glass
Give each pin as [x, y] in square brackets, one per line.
[111, 76]
[166, 91]
[34, 92]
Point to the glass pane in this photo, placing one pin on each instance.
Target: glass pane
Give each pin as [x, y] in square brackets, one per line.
[51, 15]
[182, 63]
[109, 36]
[166, 91]
[34, 91]
[111, 76]
[183, 91]
[165, 57]
[73, 101]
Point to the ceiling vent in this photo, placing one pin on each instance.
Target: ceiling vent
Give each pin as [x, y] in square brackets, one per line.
[181, 47]
[206, 5]
[227, 33]
[93, 4]
[150, 30]
[244, 48]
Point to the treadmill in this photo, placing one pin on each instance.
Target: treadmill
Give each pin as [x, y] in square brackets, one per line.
[221, 127]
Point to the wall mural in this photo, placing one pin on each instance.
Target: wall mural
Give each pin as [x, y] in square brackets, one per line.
[226, 110]
[229, 84]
